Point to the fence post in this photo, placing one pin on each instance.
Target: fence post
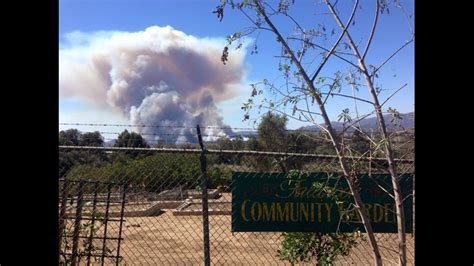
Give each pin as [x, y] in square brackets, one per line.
[106, 220]
[205, 211]
[77, 224]
[62, 214]
[122, 213]
[413, 213]
[93, 216]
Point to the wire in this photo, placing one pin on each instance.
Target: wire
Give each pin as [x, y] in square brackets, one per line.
[305, 130]
[245, 152]
[156, 126]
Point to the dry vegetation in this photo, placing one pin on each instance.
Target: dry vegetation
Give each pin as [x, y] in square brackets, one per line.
[168, 239]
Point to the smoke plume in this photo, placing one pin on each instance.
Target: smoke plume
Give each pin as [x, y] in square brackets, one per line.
[159, 76]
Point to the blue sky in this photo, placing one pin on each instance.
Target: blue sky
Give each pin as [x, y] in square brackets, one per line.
[195, 17]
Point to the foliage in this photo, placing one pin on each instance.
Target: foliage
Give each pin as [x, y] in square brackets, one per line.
[69, 158]
[322, 247]
[224, 143]
[92, 139]
[219, 175]
[272, 133]
[252, 144]
[73, 137]
[132, 140]
[151, 173]
[273, 136]
[69, 137]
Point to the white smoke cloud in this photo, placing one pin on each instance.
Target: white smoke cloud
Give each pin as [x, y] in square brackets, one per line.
[159, 76]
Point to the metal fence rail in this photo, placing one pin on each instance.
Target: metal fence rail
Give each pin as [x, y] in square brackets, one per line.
[163, 207]
[87, 231]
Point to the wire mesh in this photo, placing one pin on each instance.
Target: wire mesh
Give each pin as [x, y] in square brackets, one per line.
[90, 222]
[163, 213]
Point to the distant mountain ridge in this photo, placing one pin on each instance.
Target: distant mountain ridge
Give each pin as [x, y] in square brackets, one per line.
[407, 121]
[110, 143]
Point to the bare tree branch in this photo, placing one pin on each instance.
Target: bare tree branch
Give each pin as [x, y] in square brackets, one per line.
[306, 111]
[353, 95]
[307, 107]
[392, 168]
[325, 59]
[408, 20]
[349, 96]
[390, 57]
[301, 71]
[393, 94]
[356, 121]
[372, 31]
[335, 53]
[253, 22]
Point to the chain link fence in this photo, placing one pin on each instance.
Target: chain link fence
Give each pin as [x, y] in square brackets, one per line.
[162, 208]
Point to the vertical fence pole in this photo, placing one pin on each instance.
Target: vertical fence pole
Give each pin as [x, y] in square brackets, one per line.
[106, 220]
[93, 215]
[205, 211]
[122, 212]
[413, 232]
[77, 223]
[62, 214]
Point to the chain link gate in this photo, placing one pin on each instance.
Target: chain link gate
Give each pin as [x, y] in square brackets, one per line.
[163, 208]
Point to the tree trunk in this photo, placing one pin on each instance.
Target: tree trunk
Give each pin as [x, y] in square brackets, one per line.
[347, 173]
[350, 178]
[392, 168]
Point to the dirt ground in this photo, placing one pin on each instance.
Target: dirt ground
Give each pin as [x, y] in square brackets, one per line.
[167, 239]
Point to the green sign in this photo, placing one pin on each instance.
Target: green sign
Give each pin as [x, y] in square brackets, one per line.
[316, 202]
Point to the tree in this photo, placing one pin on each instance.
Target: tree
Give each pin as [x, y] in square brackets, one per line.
[307, 87]
[92, 139]
[272, 133]
[134, 140]
[272, 136]
[152, 173]
[70, 137]
[300, 141]
[225, 143]
[324, 248]
[69, 158]
[130, 140]
[252, 144]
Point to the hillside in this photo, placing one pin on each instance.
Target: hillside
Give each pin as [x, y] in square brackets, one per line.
[367, 124]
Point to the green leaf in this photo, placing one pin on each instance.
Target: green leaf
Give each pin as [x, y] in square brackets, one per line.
[395, 115]
[344, 116]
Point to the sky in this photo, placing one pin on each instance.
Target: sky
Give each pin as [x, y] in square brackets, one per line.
[101, 41]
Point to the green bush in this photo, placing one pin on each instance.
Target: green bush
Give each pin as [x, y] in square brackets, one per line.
[323, 247]
[153, 173]
[219, 175]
